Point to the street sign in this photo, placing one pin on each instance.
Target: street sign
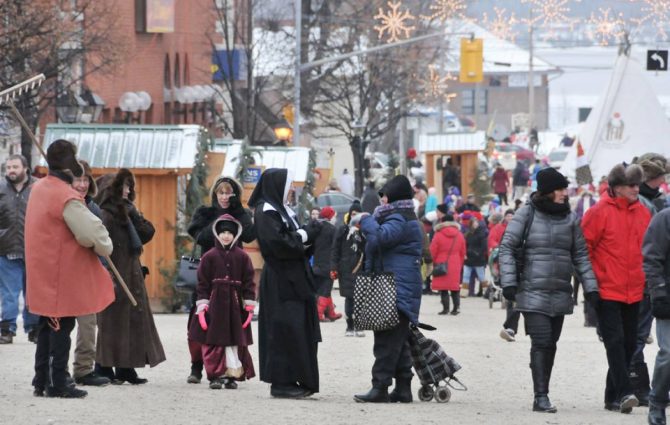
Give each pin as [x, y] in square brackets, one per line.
[657, 60]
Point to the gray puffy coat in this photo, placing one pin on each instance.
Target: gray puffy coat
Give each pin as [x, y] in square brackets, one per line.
[555, 247]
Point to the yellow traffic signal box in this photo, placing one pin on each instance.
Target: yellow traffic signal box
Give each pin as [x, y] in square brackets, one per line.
[472, 60]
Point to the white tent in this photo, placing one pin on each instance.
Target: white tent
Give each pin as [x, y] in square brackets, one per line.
[627, 121]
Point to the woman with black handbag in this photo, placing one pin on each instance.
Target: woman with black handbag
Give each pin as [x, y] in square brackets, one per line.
[226, 198]
[448, 251]
[541, 247]
[394, 242]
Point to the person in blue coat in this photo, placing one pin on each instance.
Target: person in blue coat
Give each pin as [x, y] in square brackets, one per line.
[394, 240]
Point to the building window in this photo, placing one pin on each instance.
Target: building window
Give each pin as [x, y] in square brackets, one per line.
[468, 102]
[494, 82]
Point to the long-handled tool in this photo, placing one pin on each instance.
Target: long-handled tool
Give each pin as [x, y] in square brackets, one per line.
[7, 97]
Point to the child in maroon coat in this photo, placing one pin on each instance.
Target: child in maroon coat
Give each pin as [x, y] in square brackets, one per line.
[225, 301]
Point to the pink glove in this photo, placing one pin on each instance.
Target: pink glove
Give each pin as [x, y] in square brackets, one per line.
[250, 314]
[201, 316]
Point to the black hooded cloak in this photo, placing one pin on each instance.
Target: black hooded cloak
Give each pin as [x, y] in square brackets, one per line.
[288, 326]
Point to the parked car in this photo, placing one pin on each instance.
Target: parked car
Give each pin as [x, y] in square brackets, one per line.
[557, 157]
[507, 154]
[341, 202]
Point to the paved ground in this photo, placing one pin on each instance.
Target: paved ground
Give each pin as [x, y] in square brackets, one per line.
[496, 372]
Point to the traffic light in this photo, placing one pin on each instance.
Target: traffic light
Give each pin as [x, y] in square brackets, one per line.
[472, 60]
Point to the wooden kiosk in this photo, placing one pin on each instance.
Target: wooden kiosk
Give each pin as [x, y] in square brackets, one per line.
[463, 150]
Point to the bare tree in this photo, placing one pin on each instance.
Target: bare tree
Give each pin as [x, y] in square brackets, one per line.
[66, 41]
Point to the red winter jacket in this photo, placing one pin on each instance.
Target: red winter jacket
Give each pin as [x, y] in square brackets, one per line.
[448, 234]
[496, 235]
[613, 230]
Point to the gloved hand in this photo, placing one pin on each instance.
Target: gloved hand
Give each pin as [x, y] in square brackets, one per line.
[313, 228]
[200, 311]
[250, 308]
[333, 275]
[509, 292]
[201, 307]
[356, 221]
[593, 298]
[660, 307]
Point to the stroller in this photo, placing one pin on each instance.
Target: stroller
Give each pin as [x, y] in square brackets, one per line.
[433, 366]
[494, 290]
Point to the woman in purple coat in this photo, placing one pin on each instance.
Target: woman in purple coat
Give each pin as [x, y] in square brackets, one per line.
[225, 301]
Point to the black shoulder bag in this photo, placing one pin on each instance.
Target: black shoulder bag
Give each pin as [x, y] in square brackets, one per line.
[442, 269]
[187, 277]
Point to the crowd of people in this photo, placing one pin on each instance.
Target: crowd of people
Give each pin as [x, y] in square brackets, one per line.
[614, 244]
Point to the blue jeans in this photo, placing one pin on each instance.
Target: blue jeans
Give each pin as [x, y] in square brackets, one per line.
[660, 384]
[12, 282]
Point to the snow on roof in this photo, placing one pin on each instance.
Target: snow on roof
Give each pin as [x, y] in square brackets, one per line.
[455, 142]
[292, 158]
[129, 146]
[500, 56]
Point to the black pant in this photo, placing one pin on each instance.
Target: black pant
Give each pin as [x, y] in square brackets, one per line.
[392, 356]
[512, 317]
[52, 353]
[502, 197]
[544, 330]
[544, 333]
[324, 286]
[349, 307]
[455, 297]
[618, 326]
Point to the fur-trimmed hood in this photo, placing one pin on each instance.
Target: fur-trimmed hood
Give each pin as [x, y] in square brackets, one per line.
[445, 224]
[110, 192]
[623, 175]
[237, 189]
[226, 217]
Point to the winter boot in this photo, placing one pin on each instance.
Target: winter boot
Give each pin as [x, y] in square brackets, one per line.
[196, 373]
[321, 306]
[456, 298]
[330, 312]
[65, 392]
[129, 375]
[6, 336]
[444, 299]
[402, 393]
[375, 395]
[350, 328]
[540, 366]
[656, 415]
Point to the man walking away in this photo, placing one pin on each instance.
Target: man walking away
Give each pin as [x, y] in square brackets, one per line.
[14, 192]
[656, 252]
[655, 167]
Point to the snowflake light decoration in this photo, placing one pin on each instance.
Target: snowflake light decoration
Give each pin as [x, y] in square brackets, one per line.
[548, 12]
[394, 22]
[435, 85]
[606, 26]
[500, 24]
[657, 14]
[446, 9]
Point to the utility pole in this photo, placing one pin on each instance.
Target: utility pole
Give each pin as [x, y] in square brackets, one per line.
[298, 53]
[531, 76]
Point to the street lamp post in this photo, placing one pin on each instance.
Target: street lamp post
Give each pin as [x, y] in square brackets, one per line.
[358, 147]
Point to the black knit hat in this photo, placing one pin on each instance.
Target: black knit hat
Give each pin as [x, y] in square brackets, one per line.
[397, 189]
[62, 156]
[443, 208]
[355, 206]
[226, 225]
[549, 180]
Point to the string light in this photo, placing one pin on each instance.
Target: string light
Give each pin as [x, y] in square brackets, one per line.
[549, 13]
[394, 22]
[605, 27]
[657, 14]
[500, 24]
[435, 85]
[447, 9]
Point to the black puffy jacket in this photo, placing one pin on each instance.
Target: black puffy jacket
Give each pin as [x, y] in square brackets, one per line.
[555, 247]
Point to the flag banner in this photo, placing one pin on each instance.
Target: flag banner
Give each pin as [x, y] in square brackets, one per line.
[582, 169]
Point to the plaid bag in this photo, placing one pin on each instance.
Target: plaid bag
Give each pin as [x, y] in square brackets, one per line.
[430, 362]
[375, 301]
